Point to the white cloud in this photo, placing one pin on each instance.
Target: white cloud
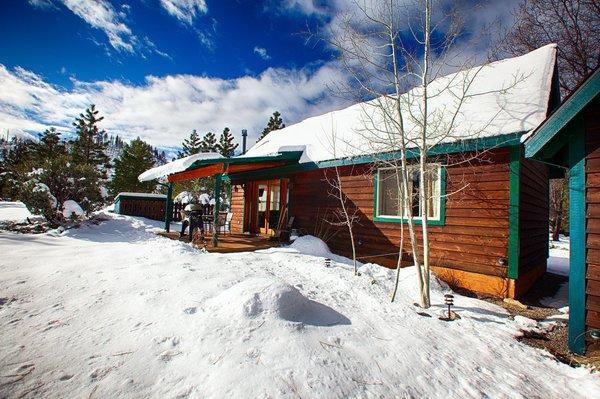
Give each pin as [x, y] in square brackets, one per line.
[43, 4]
[185, 10]
[262, 53]
[164, 110]
[100, 14]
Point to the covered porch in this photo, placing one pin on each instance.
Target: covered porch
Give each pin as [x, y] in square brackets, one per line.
[265, 202]
[228, 243]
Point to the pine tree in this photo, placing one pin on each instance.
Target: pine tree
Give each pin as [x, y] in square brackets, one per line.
[89, 147]
[209, 143]
[136, 157]
[226, 146]
[17, 162]
[275, 123]
[191, 145]
[49, 146]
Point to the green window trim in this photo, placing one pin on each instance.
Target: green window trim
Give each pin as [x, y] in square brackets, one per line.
[416, 220]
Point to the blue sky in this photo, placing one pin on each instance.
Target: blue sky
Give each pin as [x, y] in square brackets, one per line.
[55, 42]
[160, 68]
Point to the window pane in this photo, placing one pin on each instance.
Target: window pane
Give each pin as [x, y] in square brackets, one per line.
[433, 195]
[388, 200]
[415, 183]
[275, 198]
[262, 198]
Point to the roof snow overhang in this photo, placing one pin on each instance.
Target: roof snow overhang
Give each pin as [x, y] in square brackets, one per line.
[228, 166]
[552, 135]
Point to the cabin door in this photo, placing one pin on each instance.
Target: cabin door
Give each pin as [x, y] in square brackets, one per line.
[268, 206]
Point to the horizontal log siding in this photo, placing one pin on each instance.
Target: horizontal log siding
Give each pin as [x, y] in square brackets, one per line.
[474, 238]
[533, 214]
[592, 126]
[237, 207]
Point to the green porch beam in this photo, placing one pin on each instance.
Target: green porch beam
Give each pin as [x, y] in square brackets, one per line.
[577, 226]
[514, 238]
[218, 181]
[169, 207]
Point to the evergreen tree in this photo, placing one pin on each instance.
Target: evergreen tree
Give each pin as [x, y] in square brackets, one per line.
[49, 146]
[209, 143]
[191, 145]
[89, 147]
[226, 146]
[136, 157]
[275, 123]
[16, 163]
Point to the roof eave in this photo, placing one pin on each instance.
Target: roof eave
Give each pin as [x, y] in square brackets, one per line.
[563, 115]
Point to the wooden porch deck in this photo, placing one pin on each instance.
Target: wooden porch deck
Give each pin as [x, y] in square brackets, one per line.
[228, 243]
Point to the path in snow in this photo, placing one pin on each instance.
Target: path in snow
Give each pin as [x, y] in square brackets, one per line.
[113, 310]
[558, 263]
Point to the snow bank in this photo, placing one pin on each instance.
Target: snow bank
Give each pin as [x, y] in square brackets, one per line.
[269, 299]
[15, 212]
[71, 208]
[310, 245]
[178, 165]
[508, 96]
[112, 310]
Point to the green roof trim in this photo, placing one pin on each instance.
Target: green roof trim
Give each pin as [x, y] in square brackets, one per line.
[281, 156]
[556, 122]
[469, 145]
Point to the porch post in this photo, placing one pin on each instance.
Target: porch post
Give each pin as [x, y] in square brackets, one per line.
[169, 208]
[577, 228]
[215, 237]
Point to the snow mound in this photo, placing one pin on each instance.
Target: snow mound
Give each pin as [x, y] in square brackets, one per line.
[71, 207]
[310, 245]
[183, 197]
[15, 212]
[270, 298]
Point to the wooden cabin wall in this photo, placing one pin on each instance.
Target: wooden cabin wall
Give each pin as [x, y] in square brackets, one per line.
[592, 168]
[534, 218]
[474, 238]
[237, 207]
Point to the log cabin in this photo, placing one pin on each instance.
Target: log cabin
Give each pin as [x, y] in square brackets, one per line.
[569, 142]
[488, 204]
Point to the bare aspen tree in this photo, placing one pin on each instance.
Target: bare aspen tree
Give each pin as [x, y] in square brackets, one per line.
[346, 215]
[396, 77]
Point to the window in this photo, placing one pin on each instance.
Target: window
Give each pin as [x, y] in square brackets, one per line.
[389, 190]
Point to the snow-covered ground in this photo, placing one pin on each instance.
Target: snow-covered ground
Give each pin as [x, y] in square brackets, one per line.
[112, 310]
[558, 263]
[14, 212]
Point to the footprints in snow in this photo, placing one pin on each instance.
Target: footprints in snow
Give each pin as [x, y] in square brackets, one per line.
[169, 344]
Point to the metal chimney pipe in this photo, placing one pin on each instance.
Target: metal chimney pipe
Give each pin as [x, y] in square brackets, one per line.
[244, 135]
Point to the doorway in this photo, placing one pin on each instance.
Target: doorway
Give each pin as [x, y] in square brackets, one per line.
[266, 203]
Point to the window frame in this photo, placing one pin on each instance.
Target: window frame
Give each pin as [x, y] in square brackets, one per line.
[440, 221]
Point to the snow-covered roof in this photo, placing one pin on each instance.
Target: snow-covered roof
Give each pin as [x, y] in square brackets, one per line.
[503, 97]
[179, 165]
[141, 195]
